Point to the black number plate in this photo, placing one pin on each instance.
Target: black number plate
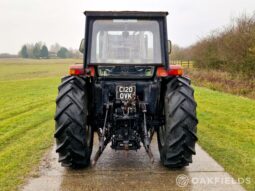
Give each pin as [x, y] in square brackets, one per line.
[125, 92]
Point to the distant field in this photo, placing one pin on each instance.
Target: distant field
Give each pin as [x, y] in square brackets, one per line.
[27, 98]
[17, 69]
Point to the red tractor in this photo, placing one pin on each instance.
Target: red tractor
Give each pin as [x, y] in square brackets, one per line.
[125, 91]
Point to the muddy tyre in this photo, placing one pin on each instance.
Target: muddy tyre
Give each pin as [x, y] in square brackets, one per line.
[73, 135]
[177, 138]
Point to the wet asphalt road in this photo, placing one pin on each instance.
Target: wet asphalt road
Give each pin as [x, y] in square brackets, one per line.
[120, 170]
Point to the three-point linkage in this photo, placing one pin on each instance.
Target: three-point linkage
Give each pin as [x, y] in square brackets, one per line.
[146, 139]
[102, 140]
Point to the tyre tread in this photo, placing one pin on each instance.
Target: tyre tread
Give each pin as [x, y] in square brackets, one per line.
[70, 122]
[180, 136]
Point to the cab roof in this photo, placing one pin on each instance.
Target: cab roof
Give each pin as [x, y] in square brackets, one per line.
[125, 14]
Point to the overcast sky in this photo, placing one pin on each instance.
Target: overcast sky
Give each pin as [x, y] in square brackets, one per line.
[62, 21]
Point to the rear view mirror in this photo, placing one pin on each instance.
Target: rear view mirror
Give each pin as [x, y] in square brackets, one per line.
[169, 44]
[82, 46]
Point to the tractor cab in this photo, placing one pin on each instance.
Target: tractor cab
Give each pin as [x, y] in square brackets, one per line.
[126, 44]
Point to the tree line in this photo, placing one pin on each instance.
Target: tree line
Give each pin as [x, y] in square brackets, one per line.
[231, 49]
[40, 51]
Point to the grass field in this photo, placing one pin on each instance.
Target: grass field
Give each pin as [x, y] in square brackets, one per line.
[227, 131]
[27, 98]
[28, 90]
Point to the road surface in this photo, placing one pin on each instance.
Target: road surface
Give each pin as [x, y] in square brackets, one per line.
[119, 170]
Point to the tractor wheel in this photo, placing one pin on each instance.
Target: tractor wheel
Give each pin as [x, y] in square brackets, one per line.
[177, 138]
[73, 135]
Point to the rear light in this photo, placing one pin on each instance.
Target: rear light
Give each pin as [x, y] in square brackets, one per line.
[174, 70]
[78, 69]
[162, 72]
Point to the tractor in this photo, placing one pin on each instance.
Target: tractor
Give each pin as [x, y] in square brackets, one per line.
[126, 91]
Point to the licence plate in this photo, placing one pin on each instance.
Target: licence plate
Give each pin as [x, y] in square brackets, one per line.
[125, 92]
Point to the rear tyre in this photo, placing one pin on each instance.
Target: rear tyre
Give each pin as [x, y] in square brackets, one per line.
[177, 138]
[73, 135]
